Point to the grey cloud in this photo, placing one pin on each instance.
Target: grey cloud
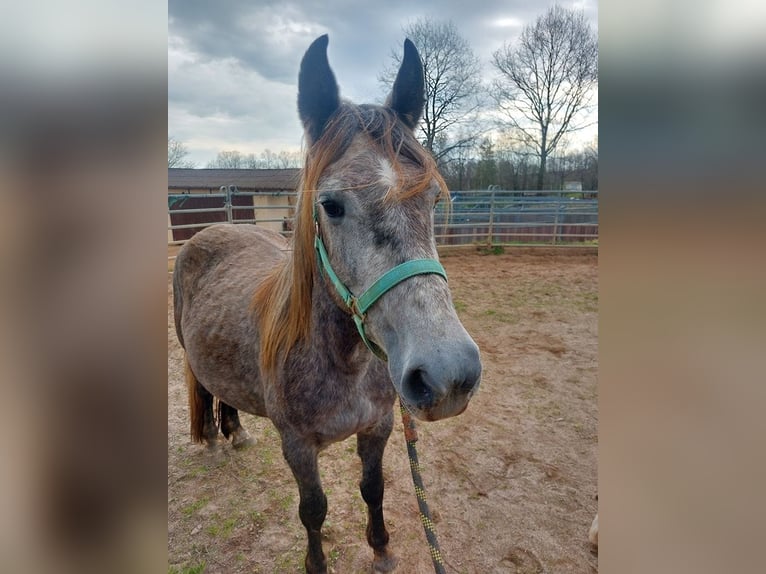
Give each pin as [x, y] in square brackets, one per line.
[243, 56]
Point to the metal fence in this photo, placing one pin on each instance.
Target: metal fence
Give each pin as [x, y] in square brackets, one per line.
[490, 217]
[188, 213]
[501, 217]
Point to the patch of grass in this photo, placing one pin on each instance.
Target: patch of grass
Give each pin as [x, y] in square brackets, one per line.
[223, 530]
[198, 568]
[491, 249]
[289, 562]
[192, 508]
[279, 501]
[199, 470]
[459, 306]
[333, 556]
[588, 302]
[286, 502]
[500, 316]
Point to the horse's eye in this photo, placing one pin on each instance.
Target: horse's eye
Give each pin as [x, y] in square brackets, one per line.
[332, 208]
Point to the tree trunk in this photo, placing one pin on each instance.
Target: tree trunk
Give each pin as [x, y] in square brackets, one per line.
[543, 155]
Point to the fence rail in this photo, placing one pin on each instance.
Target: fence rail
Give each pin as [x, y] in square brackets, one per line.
[491, 217]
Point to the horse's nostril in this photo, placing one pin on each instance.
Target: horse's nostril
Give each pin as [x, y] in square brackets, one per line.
[467, 385]
[471, 380]
[415, 388]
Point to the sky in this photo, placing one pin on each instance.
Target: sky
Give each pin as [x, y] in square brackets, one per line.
[233, 65]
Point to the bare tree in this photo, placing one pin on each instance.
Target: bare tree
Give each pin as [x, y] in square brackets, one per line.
[546, 80]
[290, 159]
[229, 160]
[268, 159]
[453, 83]
[176, 153]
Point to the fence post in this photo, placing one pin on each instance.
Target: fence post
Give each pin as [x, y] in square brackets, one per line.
[491, 216]
[556, 221]
[227, 204]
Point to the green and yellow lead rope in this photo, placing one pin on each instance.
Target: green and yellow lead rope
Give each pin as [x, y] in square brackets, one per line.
[411, 436]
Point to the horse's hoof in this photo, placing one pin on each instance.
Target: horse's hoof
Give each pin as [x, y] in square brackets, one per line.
[384, 563]
[242, 440]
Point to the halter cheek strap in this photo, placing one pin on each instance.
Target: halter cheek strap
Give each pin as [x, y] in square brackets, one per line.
[359, 305]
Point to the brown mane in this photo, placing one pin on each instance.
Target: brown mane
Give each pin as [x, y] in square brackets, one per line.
[283, 300]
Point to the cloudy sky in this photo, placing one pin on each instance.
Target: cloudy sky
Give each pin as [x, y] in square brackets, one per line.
[233, 64]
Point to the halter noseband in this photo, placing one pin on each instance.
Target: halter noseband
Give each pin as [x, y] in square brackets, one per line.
[359, 305]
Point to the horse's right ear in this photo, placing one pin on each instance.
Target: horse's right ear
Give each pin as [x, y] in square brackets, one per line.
[318, 96]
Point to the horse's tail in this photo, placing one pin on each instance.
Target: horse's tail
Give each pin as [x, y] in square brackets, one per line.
[178, 300]
[196, 404]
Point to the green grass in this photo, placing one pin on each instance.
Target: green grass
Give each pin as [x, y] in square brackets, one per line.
[198, 568]
[286, 502]
[333, 556]
[500, 316]
[289, 562]
[192, 508]
[588, 302]
[223, 530]
[491, 249]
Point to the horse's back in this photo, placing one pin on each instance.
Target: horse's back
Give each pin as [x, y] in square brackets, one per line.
[215, 278]
[228, 242]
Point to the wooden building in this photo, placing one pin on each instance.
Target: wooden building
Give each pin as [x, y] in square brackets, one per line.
[264, 196]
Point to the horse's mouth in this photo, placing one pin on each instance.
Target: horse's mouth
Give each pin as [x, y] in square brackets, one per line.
[450, 406]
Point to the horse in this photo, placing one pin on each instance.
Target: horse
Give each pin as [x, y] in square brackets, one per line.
[274, 328]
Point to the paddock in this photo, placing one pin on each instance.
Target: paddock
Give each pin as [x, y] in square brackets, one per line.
[512, 482]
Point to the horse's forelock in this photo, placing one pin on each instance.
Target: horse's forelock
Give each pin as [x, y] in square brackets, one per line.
[391, 139]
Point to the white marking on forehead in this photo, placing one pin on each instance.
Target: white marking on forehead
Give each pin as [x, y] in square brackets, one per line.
[388, 176]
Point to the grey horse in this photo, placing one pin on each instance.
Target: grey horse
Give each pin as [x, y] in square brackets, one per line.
[266, 331]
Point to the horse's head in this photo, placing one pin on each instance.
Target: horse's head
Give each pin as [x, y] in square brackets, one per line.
[372, 189]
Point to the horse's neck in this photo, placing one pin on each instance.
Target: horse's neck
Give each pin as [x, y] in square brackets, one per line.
[333, 330]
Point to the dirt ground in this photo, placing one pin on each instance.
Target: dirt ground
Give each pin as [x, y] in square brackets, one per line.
[512, 482]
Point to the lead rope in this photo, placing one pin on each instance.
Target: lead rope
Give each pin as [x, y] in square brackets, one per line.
[411, 436]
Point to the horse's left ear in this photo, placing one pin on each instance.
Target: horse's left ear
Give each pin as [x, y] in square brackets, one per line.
[408, 94]
[318, 95]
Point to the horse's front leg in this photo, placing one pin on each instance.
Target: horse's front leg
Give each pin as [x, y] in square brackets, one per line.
[302, 459]
[370, 447]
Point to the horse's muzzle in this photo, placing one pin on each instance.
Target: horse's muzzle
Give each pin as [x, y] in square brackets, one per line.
[438, 389]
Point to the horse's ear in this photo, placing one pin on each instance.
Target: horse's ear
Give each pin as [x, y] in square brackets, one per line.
[408, 94]
[318, 94]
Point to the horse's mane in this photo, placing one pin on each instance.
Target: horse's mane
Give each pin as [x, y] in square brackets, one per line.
[283, 300]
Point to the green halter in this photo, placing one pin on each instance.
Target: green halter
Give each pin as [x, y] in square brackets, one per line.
[359, 305]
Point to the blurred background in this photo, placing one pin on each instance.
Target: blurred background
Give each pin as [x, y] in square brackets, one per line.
[682, 280]
[82, 124]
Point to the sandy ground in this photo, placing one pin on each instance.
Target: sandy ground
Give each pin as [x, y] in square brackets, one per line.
[512, 482]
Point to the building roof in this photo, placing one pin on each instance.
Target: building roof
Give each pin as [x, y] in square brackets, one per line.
[244, 179]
